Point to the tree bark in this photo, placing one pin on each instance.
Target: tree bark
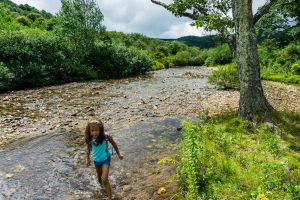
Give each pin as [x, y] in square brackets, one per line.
[252, 98]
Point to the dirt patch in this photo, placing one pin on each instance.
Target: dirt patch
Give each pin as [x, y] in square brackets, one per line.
[281, 96]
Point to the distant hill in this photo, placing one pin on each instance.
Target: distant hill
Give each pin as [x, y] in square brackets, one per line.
[24, 10]
[202, 42]
[211, 40]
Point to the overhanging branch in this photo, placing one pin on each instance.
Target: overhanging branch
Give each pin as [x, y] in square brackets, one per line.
[193, 16]
[263, 10]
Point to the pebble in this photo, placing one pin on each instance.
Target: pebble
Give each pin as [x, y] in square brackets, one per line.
[126, 188]
[161, 190]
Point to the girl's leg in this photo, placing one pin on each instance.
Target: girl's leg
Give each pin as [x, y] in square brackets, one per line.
[99, 174]
[105, 181]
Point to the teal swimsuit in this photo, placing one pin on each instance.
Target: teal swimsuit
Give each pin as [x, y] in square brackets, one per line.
[100, 153]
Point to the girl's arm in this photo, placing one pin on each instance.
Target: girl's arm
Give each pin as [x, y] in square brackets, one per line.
[88, 158]
[109, 138]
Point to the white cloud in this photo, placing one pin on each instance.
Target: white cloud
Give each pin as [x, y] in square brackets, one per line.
[136, 16]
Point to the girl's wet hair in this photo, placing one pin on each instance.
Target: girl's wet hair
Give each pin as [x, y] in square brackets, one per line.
[88, 137]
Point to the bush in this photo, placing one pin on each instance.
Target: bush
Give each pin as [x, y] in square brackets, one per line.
[296, 68]
[20, 48]
[220, 55]
[6, 76]
[38, 58]
[111, 60]
[158, 65]
[280, 77]
[280, 65]
[23, 20]
[226, 77]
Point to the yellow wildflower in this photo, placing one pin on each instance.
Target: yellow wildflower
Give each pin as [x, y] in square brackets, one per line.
[262, 197]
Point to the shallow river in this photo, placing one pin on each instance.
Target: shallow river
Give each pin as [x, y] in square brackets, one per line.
[42, 154]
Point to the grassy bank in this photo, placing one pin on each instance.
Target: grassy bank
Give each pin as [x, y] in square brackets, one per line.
[228, 158]
[280, 64]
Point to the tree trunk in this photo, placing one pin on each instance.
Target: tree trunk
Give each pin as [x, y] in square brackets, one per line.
[252, 99]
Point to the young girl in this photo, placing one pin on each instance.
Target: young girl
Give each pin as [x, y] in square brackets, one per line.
[96, 140]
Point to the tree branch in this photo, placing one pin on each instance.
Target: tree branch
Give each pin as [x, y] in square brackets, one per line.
[161, 4]
[193, 16]
[263, 10]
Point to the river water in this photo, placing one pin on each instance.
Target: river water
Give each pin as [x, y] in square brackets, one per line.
[42, 154]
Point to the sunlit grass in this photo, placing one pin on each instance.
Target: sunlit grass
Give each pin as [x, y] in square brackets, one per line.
[228, 158]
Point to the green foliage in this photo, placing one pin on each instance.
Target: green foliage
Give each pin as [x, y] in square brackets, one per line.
[220, 55]
[34, 16]
[280, 64]
[5, 77]
[14, 17]
[117, 61]
[158, 65]
[23, 20]
[284, 16]
[280, 77]
[79, 21]
[36, 58]
[225, 77]
[295, 69]
[215, 17]
[202, 42]
[224, 157]
[169, 54]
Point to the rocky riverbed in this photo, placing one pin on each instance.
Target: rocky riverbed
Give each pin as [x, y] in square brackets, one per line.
[42, 153]
[41, 139]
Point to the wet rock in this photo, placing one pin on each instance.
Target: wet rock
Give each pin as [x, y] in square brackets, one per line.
[9, 175]
[179, 128]
[144, 102]
[6, 98]
[19, 169]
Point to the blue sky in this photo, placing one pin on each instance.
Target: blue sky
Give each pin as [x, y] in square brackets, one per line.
[136, 16]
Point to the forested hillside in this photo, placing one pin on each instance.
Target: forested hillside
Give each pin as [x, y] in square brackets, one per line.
[39, 49]
[203, 42]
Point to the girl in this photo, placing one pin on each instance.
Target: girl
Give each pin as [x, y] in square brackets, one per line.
[96, 140]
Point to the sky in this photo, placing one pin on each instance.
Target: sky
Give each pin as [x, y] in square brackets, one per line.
[136, 16]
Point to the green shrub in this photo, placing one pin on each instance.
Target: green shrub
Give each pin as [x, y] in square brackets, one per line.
[38, 58]
[6, 76]
[168, 61]
[220, 55]
[280, 77]
[20, 48]
[284, 58]
[23, 20]
[225, 76]
[158, 65]
[33, 16]
[296, 68]
[111, 60]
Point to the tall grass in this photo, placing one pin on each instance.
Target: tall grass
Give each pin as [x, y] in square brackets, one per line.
[228, 158]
